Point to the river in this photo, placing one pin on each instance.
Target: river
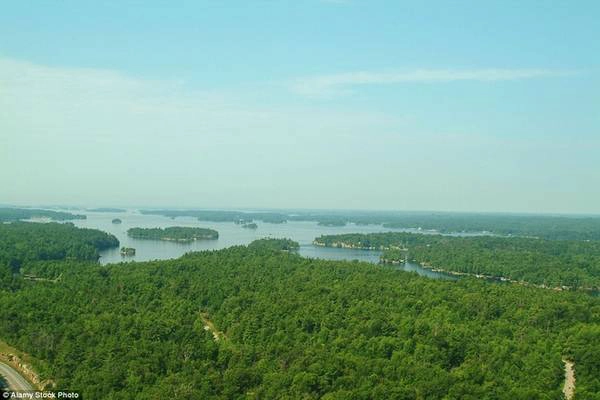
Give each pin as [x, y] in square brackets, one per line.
[230, 234]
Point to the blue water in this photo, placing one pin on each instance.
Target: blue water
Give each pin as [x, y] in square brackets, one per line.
[230, 234]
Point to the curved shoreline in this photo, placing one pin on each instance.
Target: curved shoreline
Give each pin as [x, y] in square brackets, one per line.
[451, 272]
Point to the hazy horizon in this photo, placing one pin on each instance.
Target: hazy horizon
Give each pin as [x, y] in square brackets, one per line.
[317, 105]
[339, 210]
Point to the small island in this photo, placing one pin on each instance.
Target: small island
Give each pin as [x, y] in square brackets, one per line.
[332, 223]
[250, 226]
[116, 221]
[127, 251]
[174, 233]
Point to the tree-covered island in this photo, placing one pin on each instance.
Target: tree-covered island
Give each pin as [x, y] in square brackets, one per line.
[174, 233]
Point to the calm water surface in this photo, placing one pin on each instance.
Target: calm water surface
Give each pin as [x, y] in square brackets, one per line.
[230, 234]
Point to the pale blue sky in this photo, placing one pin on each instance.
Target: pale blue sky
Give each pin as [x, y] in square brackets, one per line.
[462, 105]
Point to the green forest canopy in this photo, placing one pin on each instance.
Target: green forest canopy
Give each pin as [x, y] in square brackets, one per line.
[21, 242]
[298, 328]
[294, 327]
[44, 249]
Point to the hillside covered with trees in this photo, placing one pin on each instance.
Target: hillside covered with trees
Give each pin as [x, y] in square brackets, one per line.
[291, 327]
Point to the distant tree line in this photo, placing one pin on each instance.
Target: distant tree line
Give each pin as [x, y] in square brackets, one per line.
[16, 214]
[554, 227]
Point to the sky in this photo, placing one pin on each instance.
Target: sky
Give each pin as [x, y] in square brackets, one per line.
[340, 104]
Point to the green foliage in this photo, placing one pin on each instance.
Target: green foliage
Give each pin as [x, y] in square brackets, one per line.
[583, 346]
[175, 233]
[274, 245]
[16, 214]
[25, 242]
[381, 241]
[297, 328]
[542, 226]
[294, 327]
[575, 264]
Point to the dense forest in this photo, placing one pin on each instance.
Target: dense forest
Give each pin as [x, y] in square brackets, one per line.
[175, 233]
[29, 248]
[16, 214]
[22, 242]
[555, 227]
[575, 264]
[291, 327]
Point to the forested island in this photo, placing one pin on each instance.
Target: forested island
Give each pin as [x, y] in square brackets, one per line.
[16, 214]
[552, 263]
[258, 320]
[251, 225]
[117, 221]
[174, 233]
[554, 227]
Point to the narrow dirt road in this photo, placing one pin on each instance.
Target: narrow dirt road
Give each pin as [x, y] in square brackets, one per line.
[14, 380]
[209, 326]
[569, 387]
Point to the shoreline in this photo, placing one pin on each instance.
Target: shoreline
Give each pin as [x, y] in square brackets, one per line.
[432, 268]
